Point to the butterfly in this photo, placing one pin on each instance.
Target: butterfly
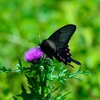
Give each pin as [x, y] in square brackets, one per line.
[57, 45]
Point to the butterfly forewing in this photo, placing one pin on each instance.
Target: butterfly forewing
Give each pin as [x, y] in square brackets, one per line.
[63, 35]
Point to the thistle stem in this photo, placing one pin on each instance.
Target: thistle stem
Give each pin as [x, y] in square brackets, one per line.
[41, 85]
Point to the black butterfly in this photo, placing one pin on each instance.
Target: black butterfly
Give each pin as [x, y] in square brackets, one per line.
[57, 45]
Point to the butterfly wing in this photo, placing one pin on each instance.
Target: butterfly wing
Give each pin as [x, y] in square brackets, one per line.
[63, 35]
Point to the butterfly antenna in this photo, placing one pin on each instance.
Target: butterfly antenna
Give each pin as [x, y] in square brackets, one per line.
[39, 38]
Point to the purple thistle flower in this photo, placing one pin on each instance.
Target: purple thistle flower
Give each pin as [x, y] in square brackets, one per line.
[33, 54]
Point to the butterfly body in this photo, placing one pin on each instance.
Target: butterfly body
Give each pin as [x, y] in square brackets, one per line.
[49, 47]
[57, 45]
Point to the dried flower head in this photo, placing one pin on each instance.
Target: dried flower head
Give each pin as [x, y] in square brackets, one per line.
[33, 54]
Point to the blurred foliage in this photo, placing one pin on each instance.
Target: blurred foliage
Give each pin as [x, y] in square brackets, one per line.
[23, 24]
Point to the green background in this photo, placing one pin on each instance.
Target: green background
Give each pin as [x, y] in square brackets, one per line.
[23, 23]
